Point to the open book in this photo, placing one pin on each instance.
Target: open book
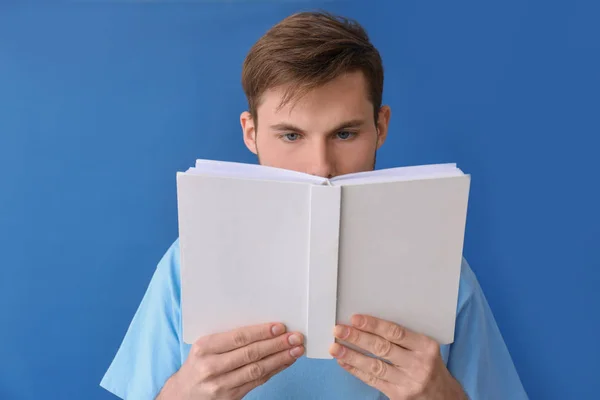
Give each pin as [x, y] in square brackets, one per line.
[261, 244]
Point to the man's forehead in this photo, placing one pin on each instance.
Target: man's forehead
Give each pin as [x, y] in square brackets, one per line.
[338, 101]
[312, 117]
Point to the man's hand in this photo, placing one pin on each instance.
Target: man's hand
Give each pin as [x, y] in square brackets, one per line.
[229, 365]
[415, 369]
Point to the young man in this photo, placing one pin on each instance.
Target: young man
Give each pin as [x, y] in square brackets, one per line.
[314, 85]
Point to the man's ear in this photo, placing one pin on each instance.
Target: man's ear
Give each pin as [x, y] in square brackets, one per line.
[383, 121]
[249, 131]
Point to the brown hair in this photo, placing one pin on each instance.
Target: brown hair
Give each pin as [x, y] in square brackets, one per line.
[307, 50]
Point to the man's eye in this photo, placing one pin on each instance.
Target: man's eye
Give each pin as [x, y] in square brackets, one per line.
[291, 137]
[345, 135]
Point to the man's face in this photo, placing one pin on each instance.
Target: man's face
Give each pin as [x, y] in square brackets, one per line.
[328, 132]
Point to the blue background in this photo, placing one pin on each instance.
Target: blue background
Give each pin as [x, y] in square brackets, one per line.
[102, 102]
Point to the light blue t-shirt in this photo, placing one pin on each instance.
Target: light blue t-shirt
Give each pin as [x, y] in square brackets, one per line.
[153, 350]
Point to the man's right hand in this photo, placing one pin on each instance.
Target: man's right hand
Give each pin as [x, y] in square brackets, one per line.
[229, 365]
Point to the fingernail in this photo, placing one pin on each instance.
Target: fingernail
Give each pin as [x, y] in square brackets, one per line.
[336, 350]
[294, 339]
[341, 332]
[297, 351]
[277, 330]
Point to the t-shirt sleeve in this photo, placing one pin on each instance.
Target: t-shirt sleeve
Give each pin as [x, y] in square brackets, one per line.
[150, 351]
[479, 358]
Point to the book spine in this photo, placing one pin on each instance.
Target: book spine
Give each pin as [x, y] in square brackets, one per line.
[325, 204]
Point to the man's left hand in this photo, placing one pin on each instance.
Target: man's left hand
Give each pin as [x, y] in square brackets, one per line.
[415, 369]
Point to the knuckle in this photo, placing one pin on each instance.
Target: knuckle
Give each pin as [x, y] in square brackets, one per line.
[372, 380]
[261, 381]
[204, 370]
[353, 336]
[197, 349]
[422, 376]
[367, 323]
[396, 332]
[414, 390]
[255, 372]
[251, 354]
[382, 348]
[432, 350]
[415, 365]
[240, 338]
[281, 344]
[378, 368]
[349, 356]
[213, 388]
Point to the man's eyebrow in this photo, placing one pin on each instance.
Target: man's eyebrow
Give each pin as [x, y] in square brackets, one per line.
[286, 127]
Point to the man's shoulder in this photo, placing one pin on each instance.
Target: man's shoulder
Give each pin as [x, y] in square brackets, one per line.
[157, 320]
[172, 256]
[478, 358]
[468, 285]
[169, 266]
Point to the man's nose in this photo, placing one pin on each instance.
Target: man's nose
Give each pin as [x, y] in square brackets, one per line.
[321, 161]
